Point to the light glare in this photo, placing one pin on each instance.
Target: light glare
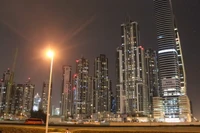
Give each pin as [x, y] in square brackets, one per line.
[50, 53]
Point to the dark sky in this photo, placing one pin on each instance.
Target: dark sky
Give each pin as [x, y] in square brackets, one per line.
[76, 28]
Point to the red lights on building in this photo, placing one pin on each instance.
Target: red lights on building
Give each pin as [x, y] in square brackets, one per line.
[75, 75]
[141, 47]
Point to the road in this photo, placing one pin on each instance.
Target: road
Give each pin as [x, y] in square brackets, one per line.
[178, 128]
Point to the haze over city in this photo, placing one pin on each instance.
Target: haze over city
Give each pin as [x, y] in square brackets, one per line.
[87, 28]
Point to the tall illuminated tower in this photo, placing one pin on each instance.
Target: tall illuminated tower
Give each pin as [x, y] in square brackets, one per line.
[44, 99]
[131, 92]
[102, 85]
[66, 93]
[176, 105]
[80, 88]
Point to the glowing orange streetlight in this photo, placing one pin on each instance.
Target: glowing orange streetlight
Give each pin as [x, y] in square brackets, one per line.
[50, 53]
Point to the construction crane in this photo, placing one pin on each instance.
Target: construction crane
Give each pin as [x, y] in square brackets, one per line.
[10, 84]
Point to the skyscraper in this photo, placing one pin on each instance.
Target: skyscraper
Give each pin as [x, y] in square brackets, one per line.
[102, 90]
[45, 91]
[80, 88]
[66, 93]
[23, 99]
[28, 97]
[131, 95]
[90, 97]
[6, 101]
[151, 68]
[168, 60]
[2, 97]
[36, 103]
[17, 103]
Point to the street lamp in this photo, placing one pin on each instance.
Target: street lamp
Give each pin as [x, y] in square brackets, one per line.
[50, 54]
[150, 119]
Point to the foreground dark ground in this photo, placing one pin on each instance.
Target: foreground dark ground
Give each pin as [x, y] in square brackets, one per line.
[101, 129]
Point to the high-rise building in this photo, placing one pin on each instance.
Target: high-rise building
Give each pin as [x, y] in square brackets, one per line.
[2, 97]
[80, 88]
[36, 103]
[151, 68]
[131, 95]
[20, 97]
[66, 93]
[102, 90]
[44, 99]
[90, 96]
[169, 61]
[7, 104]
[6, 101]
[23, 99]
[28, 97]
[17, 104]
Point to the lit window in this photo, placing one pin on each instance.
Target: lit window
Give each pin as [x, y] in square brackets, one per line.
[159, 37]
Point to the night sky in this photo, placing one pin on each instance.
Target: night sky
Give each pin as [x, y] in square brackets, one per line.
[87, 28]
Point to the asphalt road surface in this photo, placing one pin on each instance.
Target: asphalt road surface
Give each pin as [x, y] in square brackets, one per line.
[120, 128]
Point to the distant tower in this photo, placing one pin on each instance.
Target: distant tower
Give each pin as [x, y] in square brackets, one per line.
[66, 101]
[23, 98]
[18, 100]
[36, 103]
[4, 85]
[80, 88]
[28, 97]
[151, 68]
[90, 97]
[45, 90]
[102, 95]
[5, 107]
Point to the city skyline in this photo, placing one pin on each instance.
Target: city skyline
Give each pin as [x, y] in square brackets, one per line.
[92, 53]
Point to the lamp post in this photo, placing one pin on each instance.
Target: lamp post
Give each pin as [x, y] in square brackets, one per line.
[50, 54]
[150, 119]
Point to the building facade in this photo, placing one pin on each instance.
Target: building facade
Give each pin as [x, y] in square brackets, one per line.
[151, 68]
[131, 95]
[44, 99]
[90, 97]
[3, 97]
[28, 97]
[66, 93]
[169, 61]
[7, 91]
[80, 88]
[23, 99]
[102, 86]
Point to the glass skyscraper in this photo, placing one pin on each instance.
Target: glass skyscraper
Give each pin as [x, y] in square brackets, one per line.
[168, 61]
